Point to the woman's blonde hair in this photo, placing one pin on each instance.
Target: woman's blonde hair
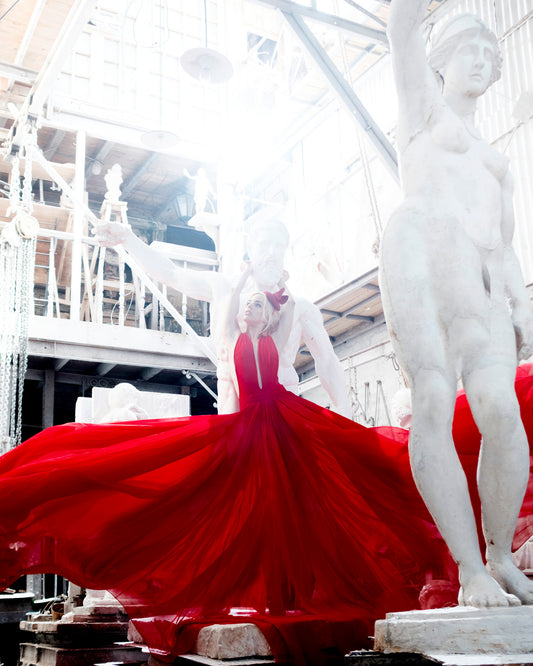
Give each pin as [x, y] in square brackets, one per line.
[271, 316]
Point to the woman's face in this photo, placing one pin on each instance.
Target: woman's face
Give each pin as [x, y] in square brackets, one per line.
[254, 311]
[469, 71]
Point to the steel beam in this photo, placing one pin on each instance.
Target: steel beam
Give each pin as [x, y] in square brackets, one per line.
[346, 94]
[75, 379]
[329, 19]
[105, 368]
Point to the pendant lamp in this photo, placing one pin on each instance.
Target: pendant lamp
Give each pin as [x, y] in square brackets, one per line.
[205, 64]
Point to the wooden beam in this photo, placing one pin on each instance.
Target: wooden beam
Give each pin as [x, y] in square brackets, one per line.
[53, 144]
[37, 171]
[17, 72]
[132, 182]
[74, 23]
[356, 317]
[28, 35]
[362, 304]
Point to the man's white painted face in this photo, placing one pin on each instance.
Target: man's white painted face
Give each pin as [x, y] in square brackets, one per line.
[266, 251]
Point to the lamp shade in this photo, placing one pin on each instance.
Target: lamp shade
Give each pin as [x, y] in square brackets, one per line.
[207, 65]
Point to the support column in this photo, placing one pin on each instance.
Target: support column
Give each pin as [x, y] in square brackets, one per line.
[48, 398]
[77, 227]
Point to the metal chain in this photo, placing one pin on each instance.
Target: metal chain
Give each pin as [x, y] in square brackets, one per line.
[14, 186]
[17, 265]
[27, 200]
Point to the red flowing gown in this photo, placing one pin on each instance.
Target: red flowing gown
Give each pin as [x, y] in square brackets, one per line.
[284, 509]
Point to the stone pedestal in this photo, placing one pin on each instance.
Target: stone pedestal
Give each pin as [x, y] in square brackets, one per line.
[240, 644]
[232, 641]
[13, 609]
[83, 637]
[461, 635]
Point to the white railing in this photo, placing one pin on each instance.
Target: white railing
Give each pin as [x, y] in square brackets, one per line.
[113, 289]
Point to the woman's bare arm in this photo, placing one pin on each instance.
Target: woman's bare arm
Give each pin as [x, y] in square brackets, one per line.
[231, 327]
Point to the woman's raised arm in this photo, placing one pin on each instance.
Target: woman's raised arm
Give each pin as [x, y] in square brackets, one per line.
[231, 327]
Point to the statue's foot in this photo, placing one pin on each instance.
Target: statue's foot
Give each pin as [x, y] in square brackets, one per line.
[483, 591]
[511, 579]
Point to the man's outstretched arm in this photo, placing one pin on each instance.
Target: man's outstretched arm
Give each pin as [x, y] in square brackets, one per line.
[328, 367]
[201, 284]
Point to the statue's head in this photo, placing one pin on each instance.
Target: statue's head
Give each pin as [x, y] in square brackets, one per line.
[267, 243]
[460, 34]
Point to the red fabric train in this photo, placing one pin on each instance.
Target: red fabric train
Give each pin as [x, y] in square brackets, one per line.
[284, 509]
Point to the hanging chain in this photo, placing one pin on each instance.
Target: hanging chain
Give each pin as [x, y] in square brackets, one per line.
[17, 263]
[27, 200]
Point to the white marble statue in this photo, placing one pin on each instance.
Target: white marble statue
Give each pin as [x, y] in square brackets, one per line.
[202, 190]
[454, 296]
[267, 244]
[113, 181]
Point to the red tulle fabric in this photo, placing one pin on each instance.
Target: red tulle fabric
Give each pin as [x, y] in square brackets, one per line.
[284, 509]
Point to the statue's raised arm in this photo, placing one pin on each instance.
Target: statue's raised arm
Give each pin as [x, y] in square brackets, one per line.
[417, 88]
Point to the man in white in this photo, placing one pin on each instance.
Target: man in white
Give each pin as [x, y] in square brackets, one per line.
[267, 243]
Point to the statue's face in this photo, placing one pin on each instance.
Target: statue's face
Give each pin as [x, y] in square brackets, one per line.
[469, 71]
[266, 251]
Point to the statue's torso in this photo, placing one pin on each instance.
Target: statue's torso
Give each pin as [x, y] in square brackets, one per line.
[454, 175]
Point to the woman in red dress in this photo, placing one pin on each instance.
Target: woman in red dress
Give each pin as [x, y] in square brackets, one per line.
[284, 509]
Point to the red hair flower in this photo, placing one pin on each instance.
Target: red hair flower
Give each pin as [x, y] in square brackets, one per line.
[278, 299]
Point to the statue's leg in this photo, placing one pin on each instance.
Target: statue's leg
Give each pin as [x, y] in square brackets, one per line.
[425, 266]
[503, 470]
[441, 481]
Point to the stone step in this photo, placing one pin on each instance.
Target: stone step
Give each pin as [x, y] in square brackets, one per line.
[462, 630]
[184, 659]
[36, 654]
[75, 634]
[121, 663]
[371, 658]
